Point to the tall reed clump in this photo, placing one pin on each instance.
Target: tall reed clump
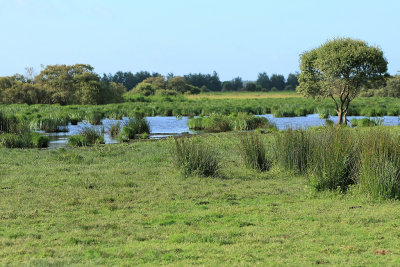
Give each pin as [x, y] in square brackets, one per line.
[115, 128]
[133, 127]
[379, 174]
[334, 158]
[194, 156]
[88, 136]
[293, 150]
[224, 123]
[10, 124]
[253, 151]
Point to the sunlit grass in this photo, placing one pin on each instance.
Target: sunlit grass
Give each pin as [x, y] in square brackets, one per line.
[128, 204]
[244, 95]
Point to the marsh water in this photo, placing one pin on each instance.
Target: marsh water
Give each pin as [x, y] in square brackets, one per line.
[161, 127]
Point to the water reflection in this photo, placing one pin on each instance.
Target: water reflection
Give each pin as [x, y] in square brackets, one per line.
[161, 127]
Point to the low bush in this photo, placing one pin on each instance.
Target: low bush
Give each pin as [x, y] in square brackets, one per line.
[194, 156]
[253, 151]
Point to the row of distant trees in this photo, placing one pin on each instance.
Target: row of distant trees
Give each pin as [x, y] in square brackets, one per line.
[79, 84]
[209, 82]
[62, 84]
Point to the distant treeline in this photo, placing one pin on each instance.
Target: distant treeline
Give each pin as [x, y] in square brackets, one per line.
[210, 82]
[62, 84]
[79, 84]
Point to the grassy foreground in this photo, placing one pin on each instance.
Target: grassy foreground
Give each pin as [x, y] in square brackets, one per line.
[128, 204]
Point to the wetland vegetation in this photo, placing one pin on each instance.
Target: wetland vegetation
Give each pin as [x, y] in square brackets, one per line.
[240, 193]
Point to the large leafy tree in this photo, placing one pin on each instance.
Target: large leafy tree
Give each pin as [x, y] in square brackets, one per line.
[338, 69]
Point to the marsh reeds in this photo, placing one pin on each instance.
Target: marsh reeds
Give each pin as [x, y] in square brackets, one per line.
[253, 151]
[379, 175]
[224, 123]
[194, 156]
[334, 159]
[133, 127]
[293, 150]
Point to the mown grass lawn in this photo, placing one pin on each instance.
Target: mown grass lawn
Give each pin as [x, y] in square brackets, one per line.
[129, 204]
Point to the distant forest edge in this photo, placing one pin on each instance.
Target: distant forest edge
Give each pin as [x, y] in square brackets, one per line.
[79, 84]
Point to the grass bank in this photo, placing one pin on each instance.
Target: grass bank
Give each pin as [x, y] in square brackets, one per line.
[128, 204]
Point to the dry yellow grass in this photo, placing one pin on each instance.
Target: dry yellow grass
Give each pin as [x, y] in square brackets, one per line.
[244, 95]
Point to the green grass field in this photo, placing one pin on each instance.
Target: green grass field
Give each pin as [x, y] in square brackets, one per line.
[245, 95]
[128, 204]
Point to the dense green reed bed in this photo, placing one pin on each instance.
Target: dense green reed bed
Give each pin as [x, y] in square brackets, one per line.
[50, 117]
[128, 204]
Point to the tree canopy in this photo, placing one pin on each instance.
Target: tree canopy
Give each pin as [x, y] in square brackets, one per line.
[338, 69]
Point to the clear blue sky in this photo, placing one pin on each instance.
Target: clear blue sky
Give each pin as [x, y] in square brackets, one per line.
[235, 38]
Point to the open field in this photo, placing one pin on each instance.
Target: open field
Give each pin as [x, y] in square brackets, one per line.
[244, 95]
[128, 204]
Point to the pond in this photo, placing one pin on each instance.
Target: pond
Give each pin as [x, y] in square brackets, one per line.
[161, 127]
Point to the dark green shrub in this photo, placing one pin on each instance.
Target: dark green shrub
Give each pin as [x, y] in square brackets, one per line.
[194, 156]
[379, 174]
[253, 151]
[293, 150]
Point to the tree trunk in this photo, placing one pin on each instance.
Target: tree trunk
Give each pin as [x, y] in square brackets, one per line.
[340, 115]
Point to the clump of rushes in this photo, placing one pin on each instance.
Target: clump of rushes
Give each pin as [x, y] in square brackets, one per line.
[335, 158]
[115, 128]
[293, 150]
[366, 122]
[253, 151]
[194, 156]
[77, 141]
[225, 123]
[133, 127]
[379, 175]
[94, 117]
[26, 140]
[39, 140]
[92, 135]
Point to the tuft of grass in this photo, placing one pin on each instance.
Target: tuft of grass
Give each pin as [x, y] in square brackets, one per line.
[115, 128]
[194, 156]
[334, 158]
[253, 151]
[379, 175]
[133, 127]
[293, 150]
[38, 140]
[92, 135]
[225, 123]
[77, 141]
[11, 141]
